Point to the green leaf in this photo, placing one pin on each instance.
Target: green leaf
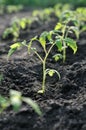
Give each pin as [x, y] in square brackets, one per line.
[15, 99]
[76, 22]
[4, 103]
[11, 51]
[76, 30]
[58, 43]
[23, 23]
[51, 72]
[83, 28]
[71, 43]
[42, 39]
[15, 45]
[33, 105]
[7, 32]
[13, 48]
[49, 35]
[30, 43]
[58, 26]
[57, 57]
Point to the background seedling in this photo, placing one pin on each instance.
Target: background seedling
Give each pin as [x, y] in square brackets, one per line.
[16, 26]
[62, 31]
[43, 15]
[16, 100]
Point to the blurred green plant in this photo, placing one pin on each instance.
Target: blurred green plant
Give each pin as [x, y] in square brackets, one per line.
[43, 15]
[15, 99]
[10, 9]
[15, 27]
[13, 8]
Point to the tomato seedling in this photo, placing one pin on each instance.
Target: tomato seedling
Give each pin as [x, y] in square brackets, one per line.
[62, 39]
[42, 40]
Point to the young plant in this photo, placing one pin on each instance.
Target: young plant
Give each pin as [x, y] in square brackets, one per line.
[59, 8]
[16, 100]
[13, 30]
[42, 40]
[81, 16]
[14, 8]
[43, 15]
[62, 38]
[16, 26]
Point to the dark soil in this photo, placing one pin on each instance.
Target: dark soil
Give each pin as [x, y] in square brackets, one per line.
[64, 102]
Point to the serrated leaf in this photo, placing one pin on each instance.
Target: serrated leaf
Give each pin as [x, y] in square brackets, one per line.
[76, 30]
[58, 43]
[71, 43]
[33, 105]
[42, 39]
[58, 26]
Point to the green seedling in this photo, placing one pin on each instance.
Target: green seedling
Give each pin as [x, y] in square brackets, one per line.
[14, 8]
[43, 15]
[13, 30]
[1, 9]
[59, 8]
[81, 17]
[81, 12]
[10, 8]
[63, 40]
[15, 99]
[78, 18]
[16, 26]
[42, 40]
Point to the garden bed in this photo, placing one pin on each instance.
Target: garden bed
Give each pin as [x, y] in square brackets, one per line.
[64, 102]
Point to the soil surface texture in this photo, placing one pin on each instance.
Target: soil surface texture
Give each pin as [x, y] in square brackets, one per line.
[64, 102]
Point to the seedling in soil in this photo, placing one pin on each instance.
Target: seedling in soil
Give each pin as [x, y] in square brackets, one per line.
[16, 100]
[16, 26]
[13, 30]
[14, 8]
[43, 15]
[81, 16]
[76, 19]
[62, 39]
[42, 40]
[59, 8]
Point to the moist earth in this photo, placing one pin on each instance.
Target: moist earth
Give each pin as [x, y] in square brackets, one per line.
[64, 102]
